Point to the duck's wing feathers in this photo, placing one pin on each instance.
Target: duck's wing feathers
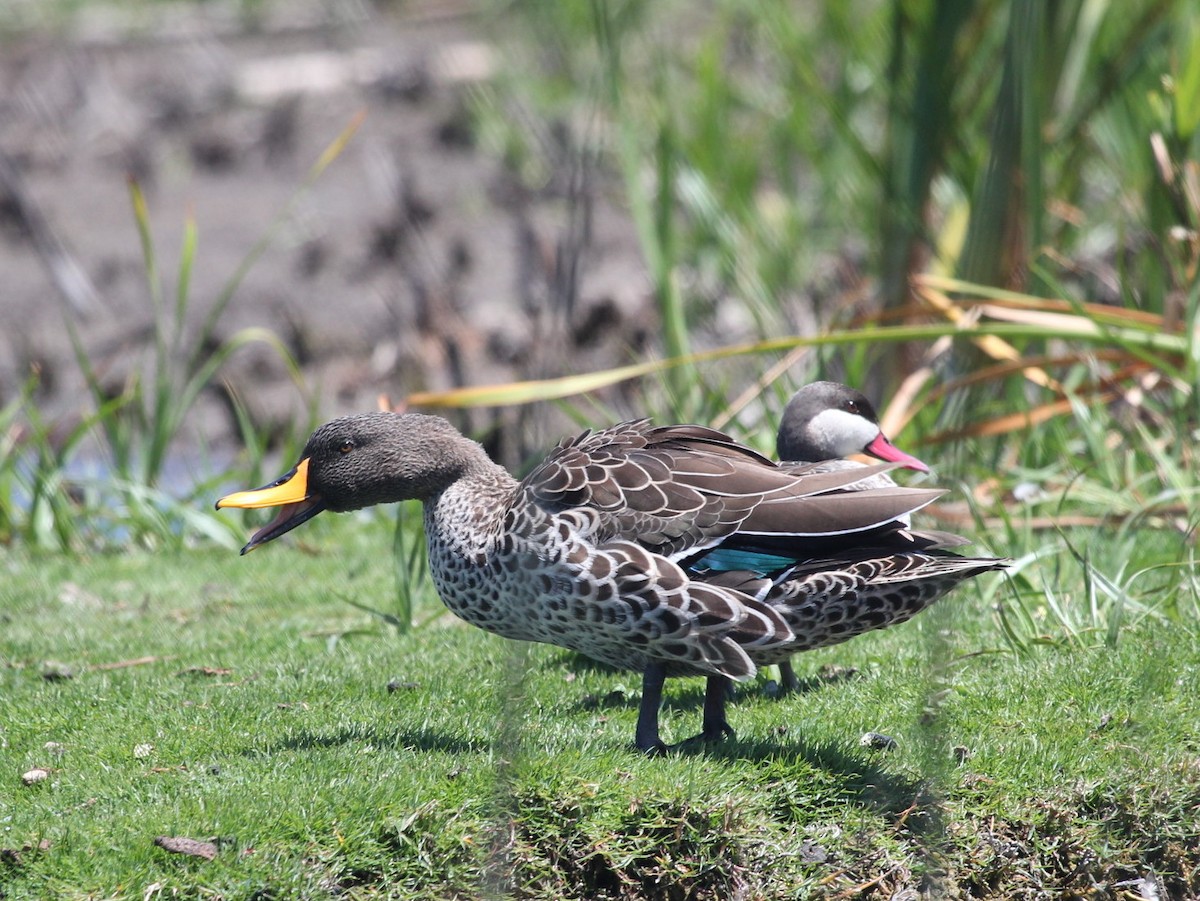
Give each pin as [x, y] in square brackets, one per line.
[883, 566]
[659, 610]
[677, 490]
[878, 583]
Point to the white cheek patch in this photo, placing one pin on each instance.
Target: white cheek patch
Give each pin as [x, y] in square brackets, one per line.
[840, 434]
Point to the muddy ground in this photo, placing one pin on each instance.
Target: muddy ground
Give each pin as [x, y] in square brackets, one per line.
[418, 260]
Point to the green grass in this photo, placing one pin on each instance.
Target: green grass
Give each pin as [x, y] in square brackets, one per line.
[495, 769]
[1045, 722]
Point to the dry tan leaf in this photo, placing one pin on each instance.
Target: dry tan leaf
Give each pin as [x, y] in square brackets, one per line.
[996, 348]
[189, 846]
[122, 664]
[205, 671]
[1015, 421]
[982, 294]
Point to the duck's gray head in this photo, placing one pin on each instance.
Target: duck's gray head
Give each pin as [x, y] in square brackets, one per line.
[358, 461]
[828, 421]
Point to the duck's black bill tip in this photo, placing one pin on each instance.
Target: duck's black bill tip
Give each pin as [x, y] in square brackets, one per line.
[289, 517]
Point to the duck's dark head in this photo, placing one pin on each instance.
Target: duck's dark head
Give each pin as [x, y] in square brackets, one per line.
[828, 421]
[359, 461]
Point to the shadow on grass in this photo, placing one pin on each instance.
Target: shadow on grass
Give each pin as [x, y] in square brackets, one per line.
[395, 739]
[858, 777]
[838, 771]
[687, 693]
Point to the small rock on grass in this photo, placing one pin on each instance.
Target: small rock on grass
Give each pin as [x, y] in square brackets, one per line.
[35, 775]
[811, 852]
[189, 846]
[877, 741]
[54, 671]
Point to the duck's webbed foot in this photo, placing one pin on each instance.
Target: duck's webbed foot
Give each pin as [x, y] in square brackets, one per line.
[718, 732]
[787, 676]
[714, 726]
[646, 738]
[706, 736]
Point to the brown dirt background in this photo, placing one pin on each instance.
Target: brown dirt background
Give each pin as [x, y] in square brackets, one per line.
[418, 261]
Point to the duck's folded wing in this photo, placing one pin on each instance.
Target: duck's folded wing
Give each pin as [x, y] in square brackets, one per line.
[677, 490]
[654, 607]
[882, 566]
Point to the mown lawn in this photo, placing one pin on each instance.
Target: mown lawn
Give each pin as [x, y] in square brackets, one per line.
[326, 755]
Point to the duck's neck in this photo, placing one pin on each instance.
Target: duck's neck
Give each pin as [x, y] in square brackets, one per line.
[467, 516]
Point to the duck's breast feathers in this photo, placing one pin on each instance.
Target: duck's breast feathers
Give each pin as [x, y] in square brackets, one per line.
[679, 489]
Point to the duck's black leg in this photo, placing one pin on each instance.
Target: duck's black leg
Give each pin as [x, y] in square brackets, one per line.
[646, 737]
[787, 675]
[714, 726]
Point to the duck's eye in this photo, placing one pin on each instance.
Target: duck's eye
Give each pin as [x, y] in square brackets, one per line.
[346, 447]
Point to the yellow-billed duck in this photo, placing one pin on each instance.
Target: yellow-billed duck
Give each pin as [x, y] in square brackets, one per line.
[602, 547]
